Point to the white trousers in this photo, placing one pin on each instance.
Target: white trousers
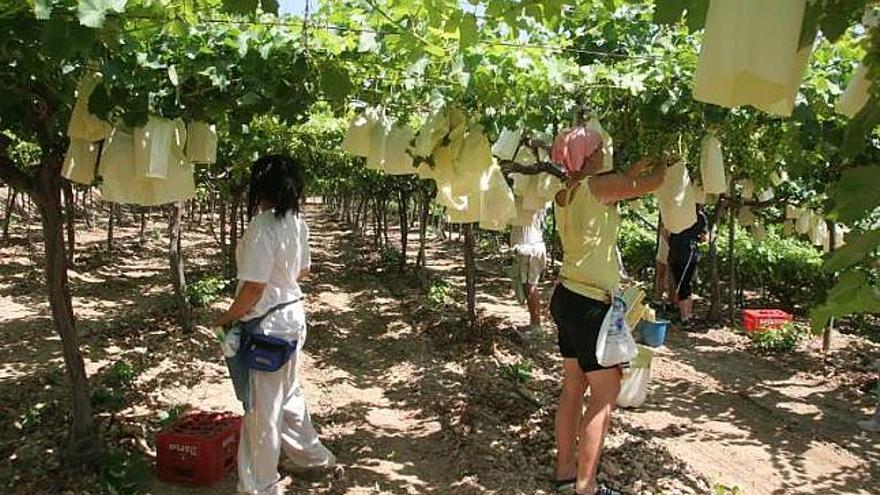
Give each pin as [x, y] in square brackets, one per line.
[278, 420]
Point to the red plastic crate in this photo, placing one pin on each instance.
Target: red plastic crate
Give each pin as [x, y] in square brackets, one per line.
[755, 320]
[198, 449]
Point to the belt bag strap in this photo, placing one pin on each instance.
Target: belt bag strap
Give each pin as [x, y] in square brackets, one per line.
[256, 321]
[264, 352]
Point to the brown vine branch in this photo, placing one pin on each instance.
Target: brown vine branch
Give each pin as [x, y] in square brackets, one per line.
[512, 167]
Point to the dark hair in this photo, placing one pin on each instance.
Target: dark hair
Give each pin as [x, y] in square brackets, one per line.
[276, 180]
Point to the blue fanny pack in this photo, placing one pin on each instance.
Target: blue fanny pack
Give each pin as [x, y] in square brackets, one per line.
[257, 352]
[264, 352]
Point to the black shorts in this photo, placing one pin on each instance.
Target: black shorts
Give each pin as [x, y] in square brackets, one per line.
[683, 264]
[578, 320]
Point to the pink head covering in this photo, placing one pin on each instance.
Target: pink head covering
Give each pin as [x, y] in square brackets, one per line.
[573, 145]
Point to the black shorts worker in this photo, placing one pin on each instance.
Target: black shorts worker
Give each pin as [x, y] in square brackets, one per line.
[684, 254]
[683, 264]
[578, 321]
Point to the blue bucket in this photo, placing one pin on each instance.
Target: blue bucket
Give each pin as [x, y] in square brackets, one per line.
[653, 333]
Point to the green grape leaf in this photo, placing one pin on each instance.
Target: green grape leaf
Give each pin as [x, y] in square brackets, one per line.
[696, 14]
[810, 25]
[496, 8]
[468, 33]
[137, 109]
[367, 42]
[857, 247]
[117, 6]
[855, 138]
[856, 194]
[269, 6]
[63, 38]
[837, 19]
[43, 9]
[92, 13]
[336, 86]
[435, 50]
[240, 6]
[668, 11]
[100, 103]
[851, 295]
[55, 35]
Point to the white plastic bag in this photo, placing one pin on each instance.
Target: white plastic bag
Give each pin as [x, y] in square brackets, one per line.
[158, 146]
[470, 213]
[231, 342]
[751, 55]
[357, 138]
[497, 206]
[804, 222]
[398, 161]
[180, 184]
[712, 165]
[522, 216]
[431, 133]
[83, 125]
[121, 183]
[381, 129]
[472, 163]
[507, 144]
[80, 161]
[819, 232]
[201, 142]
[615, 344]
[636, 379]
[676, 199]
[856, 94]
[525, 156]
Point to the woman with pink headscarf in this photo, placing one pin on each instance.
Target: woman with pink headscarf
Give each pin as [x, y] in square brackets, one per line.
[588, 223]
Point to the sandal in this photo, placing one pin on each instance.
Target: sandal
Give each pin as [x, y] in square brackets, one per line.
[565, 486]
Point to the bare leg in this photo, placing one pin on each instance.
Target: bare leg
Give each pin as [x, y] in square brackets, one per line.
[568, 418]
[534, 301]
[660, 282]
[604, 388]
[687, 308]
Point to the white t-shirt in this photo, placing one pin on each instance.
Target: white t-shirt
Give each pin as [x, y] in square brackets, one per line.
[529, 239]
[274, 251]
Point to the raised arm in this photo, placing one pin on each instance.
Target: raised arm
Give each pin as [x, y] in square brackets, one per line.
[612, 188]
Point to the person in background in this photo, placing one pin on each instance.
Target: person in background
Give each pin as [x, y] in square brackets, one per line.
[684, 255]
[272, 256]
[661, 278]
[528, 246]
[589, 224]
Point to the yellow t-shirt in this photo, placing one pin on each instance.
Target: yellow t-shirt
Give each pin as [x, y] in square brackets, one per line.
[588, 230]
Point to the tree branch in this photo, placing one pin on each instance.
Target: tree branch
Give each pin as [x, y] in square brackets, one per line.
[512, 167]
[10, 173]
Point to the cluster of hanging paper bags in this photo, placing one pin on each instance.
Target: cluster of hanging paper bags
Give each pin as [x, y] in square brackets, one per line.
[147, 165]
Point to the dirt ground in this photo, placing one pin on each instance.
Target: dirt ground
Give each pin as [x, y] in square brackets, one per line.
[409, 400]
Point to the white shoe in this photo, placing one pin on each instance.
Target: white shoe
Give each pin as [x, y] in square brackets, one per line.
[326, 461]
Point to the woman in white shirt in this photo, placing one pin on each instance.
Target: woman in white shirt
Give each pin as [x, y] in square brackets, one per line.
[272, 256]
